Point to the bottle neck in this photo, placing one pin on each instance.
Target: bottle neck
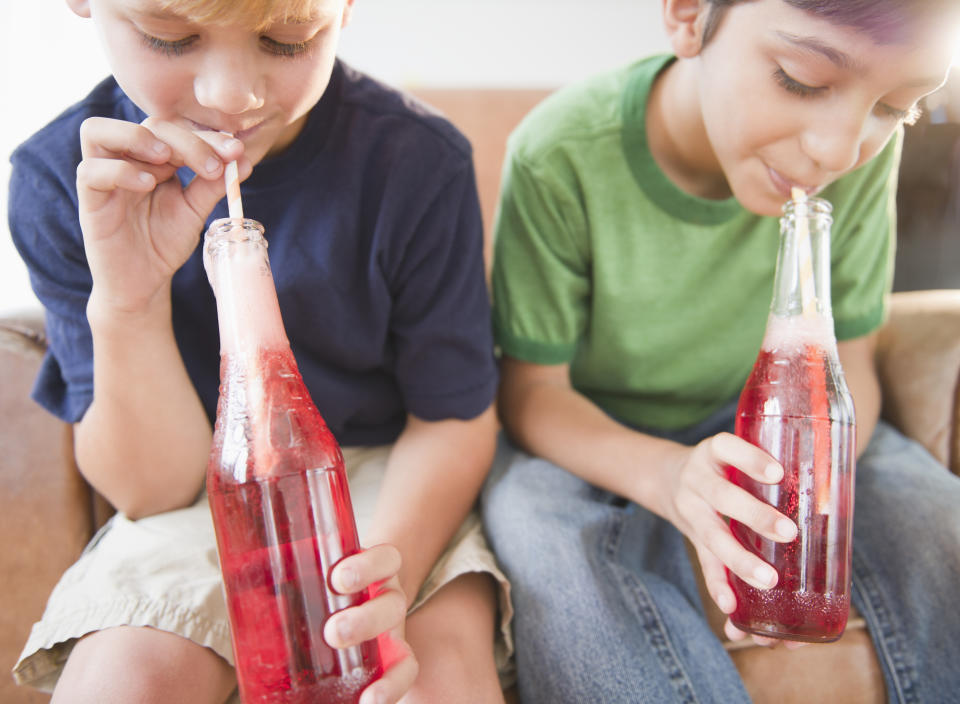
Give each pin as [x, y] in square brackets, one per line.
[235, 257]
[802, 282]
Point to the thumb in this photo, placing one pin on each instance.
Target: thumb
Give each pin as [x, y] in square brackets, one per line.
[203, 194]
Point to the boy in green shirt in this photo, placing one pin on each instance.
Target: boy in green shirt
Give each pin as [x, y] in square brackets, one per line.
[634, 263]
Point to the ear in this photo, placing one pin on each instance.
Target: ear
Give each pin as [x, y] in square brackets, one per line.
[80, 7]
[347, 11]
[683, 21]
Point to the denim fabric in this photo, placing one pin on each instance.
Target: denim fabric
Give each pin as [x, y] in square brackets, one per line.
[607, 608]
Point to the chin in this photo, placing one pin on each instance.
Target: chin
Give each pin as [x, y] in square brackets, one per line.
[761, 204]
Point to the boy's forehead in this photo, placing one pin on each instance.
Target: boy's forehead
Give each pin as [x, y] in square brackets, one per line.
[256, 14]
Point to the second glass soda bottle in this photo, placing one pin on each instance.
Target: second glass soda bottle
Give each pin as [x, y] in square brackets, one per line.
[278, 494]
[796, 406]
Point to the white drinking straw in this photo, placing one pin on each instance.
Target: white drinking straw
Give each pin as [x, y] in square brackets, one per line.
[231, 177]
[808, 294]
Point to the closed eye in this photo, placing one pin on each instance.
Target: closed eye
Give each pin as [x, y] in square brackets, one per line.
[166, 46]
[908, 116]
[792, 85]
[285, 49]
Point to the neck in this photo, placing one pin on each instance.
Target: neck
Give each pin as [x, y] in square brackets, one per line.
[678, 137]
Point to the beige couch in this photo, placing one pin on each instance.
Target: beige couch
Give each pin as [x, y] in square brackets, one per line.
[49, 512]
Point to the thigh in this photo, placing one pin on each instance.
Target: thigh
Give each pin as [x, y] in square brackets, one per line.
[452, 635]
[160, 572]
[606, 603]
[906, 561]
[138, 664]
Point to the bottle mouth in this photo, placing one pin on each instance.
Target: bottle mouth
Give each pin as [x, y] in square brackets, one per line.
[235, 230]
[817, 207]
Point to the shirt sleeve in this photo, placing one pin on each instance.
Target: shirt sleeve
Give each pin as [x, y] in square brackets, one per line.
[440, 317]
[541, 270]
[46, 232]
[863, 242]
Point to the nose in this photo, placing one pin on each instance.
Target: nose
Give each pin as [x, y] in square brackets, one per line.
[229, 83]
[834, 143]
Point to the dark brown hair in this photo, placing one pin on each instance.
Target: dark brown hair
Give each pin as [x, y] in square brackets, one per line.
[886, 21]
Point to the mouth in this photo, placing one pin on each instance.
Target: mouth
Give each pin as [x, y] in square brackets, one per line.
[241, 133]
[784, 185]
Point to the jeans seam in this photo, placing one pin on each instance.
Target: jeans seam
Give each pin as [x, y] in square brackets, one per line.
[650, 622]
[889, 647]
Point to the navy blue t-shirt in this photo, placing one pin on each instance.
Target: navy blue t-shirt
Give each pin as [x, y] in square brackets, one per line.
[375, 241]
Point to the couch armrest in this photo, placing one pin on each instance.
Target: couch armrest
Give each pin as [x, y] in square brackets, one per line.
[46, 505]
[918, 362]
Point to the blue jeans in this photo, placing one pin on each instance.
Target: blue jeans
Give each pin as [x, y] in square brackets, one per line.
[607, 606]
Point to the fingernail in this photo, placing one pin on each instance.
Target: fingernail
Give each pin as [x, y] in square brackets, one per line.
[786, 528]
[766, 576]
[725, 603]
[230, 143]
[159, 147]
[373, 697]
[144, 177]
[212, 165]
[348, 579]
[345, 629]
[773, 472]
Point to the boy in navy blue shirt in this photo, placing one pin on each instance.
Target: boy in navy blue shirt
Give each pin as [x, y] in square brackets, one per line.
[371, 212]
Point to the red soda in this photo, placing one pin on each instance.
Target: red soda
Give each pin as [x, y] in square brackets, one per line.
[811, 599]
[796, 406]
[278, 494]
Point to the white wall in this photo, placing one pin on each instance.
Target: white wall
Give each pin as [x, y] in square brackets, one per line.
[422, 43]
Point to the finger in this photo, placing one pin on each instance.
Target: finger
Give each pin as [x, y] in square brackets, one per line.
[357, 572]
[732, 632]
[765, 641]
[226, 145]
[396, 681]
[714, 535]
[203, 152]
[728, 449]
[715, 579]
[730, 500]
[98, 179]
[101, 137]
[201, 195]
[366, 621]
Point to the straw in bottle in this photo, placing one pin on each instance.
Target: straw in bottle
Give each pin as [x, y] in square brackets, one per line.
[807, 293]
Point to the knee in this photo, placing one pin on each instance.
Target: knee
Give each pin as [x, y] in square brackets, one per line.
[127, 664]
[452, 636]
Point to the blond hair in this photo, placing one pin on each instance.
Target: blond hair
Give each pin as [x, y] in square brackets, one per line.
[255, 14]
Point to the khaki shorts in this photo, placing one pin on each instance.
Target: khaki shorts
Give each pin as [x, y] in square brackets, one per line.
[162, 571]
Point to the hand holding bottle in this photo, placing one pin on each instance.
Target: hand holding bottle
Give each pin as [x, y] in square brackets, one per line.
[381, 616]
[700, 496]
[139, 224]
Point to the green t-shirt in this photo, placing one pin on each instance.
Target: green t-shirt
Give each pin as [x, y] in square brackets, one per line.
[657, 299]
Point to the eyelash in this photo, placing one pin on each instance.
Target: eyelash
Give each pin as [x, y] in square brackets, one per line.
[795, 87]
[177, 47]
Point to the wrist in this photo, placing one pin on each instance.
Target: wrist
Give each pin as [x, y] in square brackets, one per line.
[107, 314]
[664, 466]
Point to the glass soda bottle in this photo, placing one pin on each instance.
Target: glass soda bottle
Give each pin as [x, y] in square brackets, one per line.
[797, 407]
[278, 494]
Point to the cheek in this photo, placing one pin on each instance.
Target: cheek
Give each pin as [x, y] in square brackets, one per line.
[298, 88]
[156, 91]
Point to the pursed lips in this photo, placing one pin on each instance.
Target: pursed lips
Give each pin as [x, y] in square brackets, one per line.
[785, 185]
[240, 134]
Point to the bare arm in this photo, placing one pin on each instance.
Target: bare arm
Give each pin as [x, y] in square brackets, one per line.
[433, 477]
[859, 368]
[685, 485]
[144, 440]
